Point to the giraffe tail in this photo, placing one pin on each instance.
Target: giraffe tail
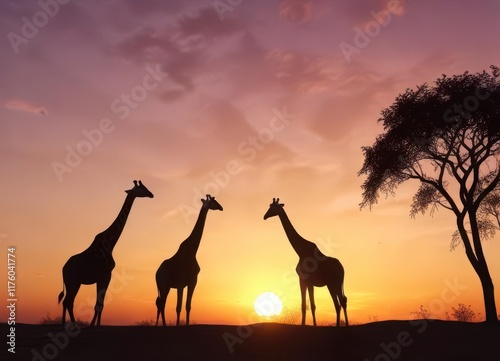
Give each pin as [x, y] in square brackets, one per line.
[158, 300]
[61, 295]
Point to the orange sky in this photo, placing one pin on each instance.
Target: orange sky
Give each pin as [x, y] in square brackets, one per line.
[254, 103]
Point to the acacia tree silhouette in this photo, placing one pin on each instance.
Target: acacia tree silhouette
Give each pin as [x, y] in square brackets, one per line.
[447, 137]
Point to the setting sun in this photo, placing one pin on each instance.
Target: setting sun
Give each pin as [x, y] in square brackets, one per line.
[268, 304]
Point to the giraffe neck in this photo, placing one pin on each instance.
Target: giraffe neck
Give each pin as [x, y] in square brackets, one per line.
[301, 246]
[111, 235]
[193, 241]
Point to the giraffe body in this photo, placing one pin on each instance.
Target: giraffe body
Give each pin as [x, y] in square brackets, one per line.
[95, 264]
[181, 270]
[314, 268]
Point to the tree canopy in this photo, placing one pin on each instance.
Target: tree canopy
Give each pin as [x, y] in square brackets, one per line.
[446, 136]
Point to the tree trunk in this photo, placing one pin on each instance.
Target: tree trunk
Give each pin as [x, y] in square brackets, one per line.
[488, 294]
[478, 262]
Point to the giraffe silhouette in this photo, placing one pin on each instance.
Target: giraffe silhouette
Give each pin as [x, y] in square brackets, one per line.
[94, 265]
[181, 270]
[314, 268]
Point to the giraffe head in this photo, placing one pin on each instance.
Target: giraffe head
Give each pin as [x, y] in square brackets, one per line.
[274, 208]
[211, 203]
[140, 190]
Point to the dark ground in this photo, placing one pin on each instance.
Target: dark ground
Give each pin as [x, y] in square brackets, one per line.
[380, 341]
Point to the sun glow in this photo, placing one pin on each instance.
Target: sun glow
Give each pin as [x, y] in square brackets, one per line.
[268, 304]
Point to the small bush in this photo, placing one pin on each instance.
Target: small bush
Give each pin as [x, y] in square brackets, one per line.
[152, 322]
[289, 317]
[463, 313]
[49, 320]
[149, 322]
[421, 313]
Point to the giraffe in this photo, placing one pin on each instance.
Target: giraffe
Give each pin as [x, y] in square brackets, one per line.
[94, 265]
[314, 268]
[181, 270]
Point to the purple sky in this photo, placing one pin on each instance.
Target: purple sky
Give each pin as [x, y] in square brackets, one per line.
[95, 94]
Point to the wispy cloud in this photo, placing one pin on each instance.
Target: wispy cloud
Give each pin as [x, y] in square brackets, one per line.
[302, 73]
[43, 275]
[183, 47]
[24, 106]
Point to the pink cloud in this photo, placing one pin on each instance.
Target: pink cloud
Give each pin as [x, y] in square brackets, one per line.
[184, 48]
[296, 10]
[24, 106]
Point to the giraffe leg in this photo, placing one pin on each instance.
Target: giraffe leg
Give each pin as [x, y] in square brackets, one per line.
[310, 289]
[102, 287]
[343, 303]
[157, 302]
[335, 297]
[71, 291]
[345, 312]
[160, 304]
[190, 290]
[303, 287]
[64, 316]
[178, 309]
